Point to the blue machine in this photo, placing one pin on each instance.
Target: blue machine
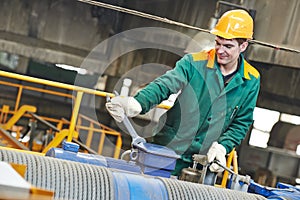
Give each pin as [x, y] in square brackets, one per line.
[156, 161]
[146, 158]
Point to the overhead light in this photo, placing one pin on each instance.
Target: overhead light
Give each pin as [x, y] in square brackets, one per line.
[69, 67]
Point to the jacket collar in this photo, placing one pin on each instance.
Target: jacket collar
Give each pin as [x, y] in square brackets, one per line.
[245, 69]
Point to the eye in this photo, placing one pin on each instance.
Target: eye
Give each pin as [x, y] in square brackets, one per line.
[217, 43]
[228, 46]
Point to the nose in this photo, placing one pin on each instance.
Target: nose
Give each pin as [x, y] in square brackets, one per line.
[220, 49]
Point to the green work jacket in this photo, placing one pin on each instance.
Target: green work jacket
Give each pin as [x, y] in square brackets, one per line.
[205, 110]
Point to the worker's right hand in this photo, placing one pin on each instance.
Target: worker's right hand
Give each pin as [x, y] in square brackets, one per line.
[120, 106]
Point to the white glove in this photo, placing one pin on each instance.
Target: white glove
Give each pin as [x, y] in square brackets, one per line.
[120, 106]
[218, 152]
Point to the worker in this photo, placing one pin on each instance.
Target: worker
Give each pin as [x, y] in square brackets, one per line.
[217, 92]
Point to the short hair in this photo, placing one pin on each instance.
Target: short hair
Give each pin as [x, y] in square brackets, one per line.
[241, 40]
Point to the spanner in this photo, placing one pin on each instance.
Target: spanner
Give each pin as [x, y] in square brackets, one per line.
[136, 139]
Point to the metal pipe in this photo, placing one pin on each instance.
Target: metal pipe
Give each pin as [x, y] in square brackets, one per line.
[118, 147]
[225, 174]
[54, 84]
[60, 85]
[101, 143]
[18, 98]
[74, 115]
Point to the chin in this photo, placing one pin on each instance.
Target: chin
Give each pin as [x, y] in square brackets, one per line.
[222, 61]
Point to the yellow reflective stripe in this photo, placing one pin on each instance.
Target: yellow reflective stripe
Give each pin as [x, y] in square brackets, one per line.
[248, 69]
[211, 58]
[199, 56]
[205, 55]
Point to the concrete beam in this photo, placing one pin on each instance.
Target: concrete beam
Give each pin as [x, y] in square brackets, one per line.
[41, 50]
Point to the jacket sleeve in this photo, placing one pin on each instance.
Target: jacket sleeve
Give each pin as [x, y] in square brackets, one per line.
[241, 122]
[162, 87]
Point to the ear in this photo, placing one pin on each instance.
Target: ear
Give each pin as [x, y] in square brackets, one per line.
[243, 46]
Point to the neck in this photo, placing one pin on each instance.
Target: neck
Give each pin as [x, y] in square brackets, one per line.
[228, 68]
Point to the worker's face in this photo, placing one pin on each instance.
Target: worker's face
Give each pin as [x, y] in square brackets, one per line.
[228, 51]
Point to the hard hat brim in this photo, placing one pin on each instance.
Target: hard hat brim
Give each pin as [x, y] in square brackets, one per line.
[222, 34]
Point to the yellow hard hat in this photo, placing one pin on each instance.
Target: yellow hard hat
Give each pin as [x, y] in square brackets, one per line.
[234, 24]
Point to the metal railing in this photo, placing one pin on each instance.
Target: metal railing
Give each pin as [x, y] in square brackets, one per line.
[74, 123]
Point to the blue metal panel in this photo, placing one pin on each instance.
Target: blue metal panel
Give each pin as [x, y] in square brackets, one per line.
[156, 156]
[129, 186]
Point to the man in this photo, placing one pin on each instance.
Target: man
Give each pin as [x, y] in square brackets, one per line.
[218, 92]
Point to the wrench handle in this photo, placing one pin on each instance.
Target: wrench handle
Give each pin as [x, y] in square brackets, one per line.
[135, 137]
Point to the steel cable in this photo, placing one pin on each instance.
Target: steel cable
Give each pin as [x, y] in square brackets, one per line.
[168, 21]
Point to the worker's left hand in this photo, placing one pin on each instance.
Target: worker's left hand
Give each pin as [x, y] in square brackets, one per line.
[218, 152]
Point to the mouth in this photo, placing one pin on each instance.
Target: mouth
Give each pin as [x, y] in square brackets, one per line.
[221, 57]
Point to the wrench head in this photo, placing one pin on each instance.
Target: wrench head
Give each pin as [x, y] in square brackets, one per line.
[137, 140]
